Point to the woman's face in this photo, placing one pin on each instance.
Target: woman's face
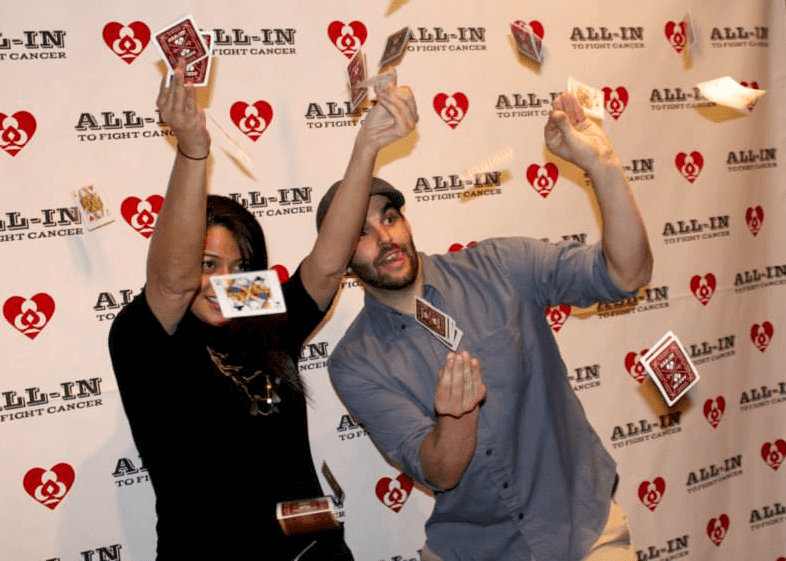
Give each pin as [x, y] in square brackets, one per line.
[221, 256]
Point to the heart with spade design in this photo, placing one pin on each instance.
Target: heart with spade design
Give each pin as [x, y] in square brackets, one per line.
[703, 287]
[16, 131]
[543, 178]
[754, 217]
[140, 214]
[557, 316]
[29, 316]
[126, 41]
[49, 487]
[677, 34]
[634, 366]
[651, 492]
[451, 108]
[761, 335]
[347, 37]
[394, 492]
[773, 453]
[714, 409]
[717, 528]
[615, 101]
[689, 165]
[252, 119]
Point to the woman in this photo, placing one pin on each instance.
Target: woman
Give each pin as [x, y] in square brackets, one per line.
[216, 407]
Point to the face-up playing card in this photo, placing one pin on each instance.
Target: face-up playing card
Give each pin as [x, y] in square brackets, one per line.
[527, 42]
[94, 212]
[670, 368]
[181, 39]
[356, 73]
[253, 293]
[590, 99]
[395, 46]
[440, 324]
[198, 73]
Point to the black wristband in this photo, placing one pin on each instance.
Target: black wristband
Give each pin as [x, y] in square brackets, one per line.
[191, 157]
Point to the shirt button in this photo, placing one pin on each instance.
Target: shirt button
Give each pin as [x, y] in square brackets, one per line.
[505, 485]
[488, 451]
[403, 326]
[521, 515]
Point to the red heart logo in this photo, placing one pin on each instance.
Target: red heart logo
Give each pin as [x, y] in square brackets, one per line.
[677, 34]
[29, 316]
[281, 271]
[703, 287]
[689, 165]
[651, 492]
[49, 487]
[754, 218]
[773, 453]
[253, 119]
[543, 178]
[557, 316]
[634, 366]
[451, 108]
[16, 131]
[142, 215]
[347, 37]
[717, 528]
[615, 101]
[761, 335]
[752, 85]
[126, 41]
[394, 492]
[458, 247]
[713, 410]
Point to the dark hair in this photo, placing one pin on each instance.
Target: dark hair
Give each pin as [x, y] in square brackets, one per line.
[226, 212]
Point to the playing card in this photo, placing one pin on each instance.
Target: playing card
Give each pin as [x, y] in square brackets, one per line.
[198, 73]
[337, 490]
[670, 368]
[395, 46]
[527, 42]
[253, 293]
[440, 324]
[388, 75]
[689, 32]
[590, 99]
[727, 92]
[356, 72]
[306, 516]
[181, 39]
[94, 212]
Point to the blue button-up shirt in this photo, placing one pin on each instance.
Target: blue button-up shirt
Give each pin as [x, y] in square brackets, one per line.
[540, 481]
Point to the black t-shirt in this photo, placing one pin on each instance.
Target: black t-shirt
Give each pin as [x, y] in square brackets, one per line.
[217, 468]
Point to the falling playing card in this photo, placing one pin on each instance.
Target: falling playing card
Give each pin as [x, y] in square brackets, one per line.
[590, 99]
[333, 482]
[198, 73]
[440, 324]
[253, 293]
[395, 46]
[356, 72]
[729, 93]
[387, 76]
[181, 39]
[670, 368]
[691, 34]
[94, 212]
[527, 42]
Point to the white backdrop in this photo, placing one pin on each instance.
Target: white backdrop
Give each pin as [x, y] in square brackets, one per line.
[702, 480]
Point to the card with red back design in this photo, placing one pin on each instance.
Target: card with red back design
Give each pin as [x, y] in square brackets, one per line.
[395, 46]
[356, 74]
[527, 42]
[439, 324]
[670, 367]
[181, 39]
[198, 73]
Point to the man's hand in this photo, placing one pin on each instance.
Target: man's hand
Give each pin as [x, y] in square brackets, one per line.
[572, 136]
[460, 387]
[180, 110]
[393, 117]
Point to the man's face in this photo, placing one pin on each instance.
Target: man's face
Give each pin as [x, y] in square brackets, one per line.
[385, 256]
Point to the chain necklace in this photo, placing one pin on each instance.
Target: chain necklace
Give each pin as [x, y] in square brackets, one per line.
[260, 405]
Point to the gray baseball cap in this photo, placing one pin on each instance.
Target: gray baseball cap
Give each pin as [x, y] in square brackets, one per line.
[378, 187]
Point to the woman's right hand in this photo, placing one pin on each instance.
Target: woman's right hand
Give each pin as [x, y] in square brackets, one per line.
[179, 109]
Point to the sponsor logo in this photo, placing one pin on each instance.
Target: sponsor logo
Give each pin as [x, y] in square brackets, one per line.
[112, 127]
[349, 428]
[106, 553]
[623, 37]
[694, 229]
[671, 99]
[745, 160]
[643, 430]
[524, 105]
[393, 493]
[49, 486]
[689, 165]
[334, 114]
[438, 39]
[251, 119]
[673, 549]
[29, 315]
[648, 299]
[703, 287]
[767, 516]
[543, 178]
[763, 396]
[451, 108]
[34, 45]
[585, 377]
[313, 356]
[708, 351]
[713, 474]
[651, 492]
[735, 37]
[127, 474]
[676, 34]
[640, 169]
[347, 37]
[70, 396]
[635, 367]
[286, 201]
[140, 214]
[16, 131]
[757, 278]
[107, 301]
[773, 452]
[717, 528]
[713, 410]
[754, 217]
[126, 41]
[556, 316]
[440, 188]
[615, 101]
[761, 335]
[267, 41]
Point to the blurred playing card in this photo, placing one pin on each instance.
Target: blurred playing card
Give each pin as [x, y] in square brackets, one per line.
[388, 75]
[440, 324]
[689, 32]
[253, 293]
[94, 212]
[198, 73]
[356, 73]
[181, 39]
[307, 516]
[337, 490]
[725, 91]
[590, 99]
[395, 46]
[527, 42]
[670, 368]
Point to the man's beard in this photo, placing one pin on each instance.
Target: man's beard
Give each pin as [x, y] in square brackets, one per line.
[369, 274]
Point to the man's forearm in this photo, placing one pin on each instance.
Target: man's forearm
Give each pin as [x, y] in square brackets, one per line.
[448, 449]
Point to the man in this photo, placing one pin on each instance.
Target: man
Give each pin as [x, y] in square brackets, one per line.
[495, 428]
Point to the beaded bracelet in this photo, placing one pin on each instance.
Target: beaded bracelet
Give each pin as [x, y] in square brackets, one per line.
[191, 157]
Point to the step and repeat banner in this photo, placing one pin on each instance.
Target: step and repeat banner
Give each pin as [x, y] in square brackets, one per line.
[702, 480]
